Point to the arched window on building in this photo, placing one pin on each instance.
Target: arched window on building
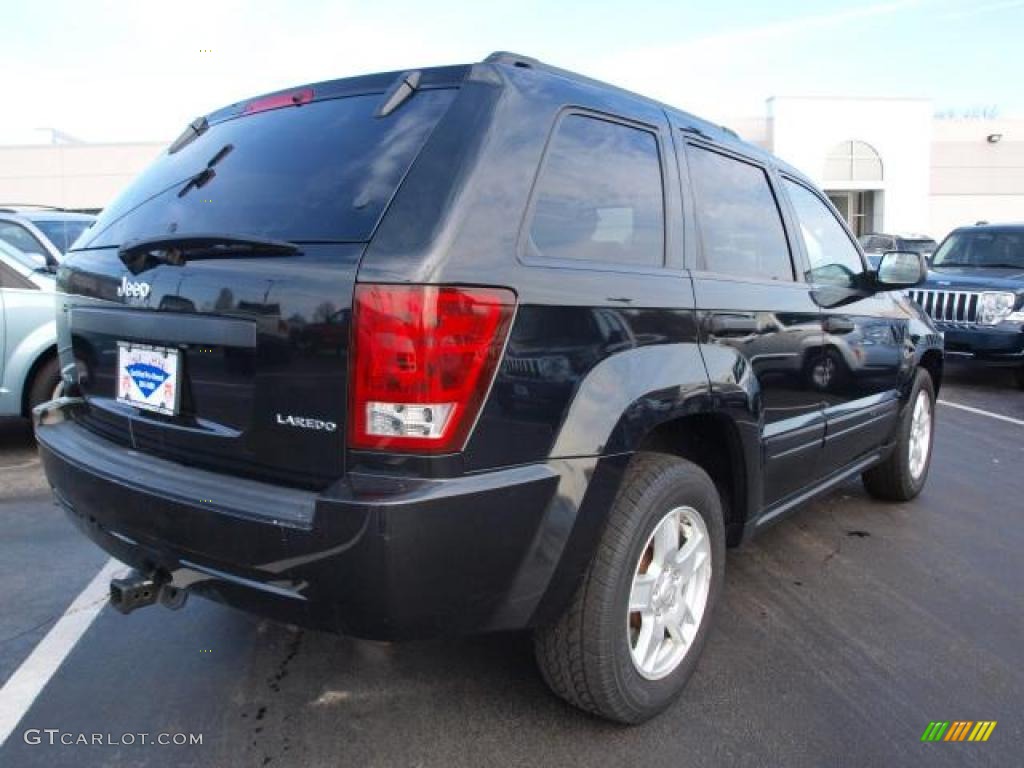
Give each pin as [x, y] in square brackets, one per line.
[853, 161]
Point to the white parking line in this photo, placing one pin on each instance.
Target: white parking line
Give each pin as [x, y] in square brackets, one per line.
[28, 680]
[969, 409]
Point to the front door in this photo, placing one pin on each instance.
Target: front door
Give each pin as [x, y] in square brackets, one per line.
[757, 316]
[864, 336]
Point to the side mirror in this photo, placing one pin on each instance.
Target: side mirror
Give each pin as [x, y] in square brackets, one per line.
[900, 269]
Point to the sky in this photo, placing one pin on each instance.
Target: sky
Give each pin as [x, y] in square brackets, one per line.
[110, 70]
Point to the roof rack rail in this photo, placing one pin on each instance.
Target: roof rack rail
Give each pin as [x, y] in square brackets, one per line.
[697, 126]
[514, 60]
[527, 62]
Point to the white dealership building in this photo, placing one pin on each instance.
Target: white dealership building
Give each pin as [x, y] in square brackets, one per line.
[887, 164]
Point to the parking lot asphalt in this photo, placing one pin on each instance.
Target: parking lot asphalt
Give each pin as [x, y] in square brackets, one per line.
[843, 632]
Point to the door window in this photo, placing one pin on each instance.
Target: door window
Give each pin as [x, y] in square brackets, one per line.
[9, 278]
[740, 226]
[833, 257]
[24, 241]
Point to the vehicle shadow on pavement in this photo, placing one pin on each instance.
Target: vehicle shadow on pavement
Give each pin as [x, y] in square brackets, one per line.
[16, 441]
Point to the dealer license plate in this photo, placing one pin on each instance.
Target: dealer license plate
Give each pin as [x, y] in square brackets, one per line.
[147, 377]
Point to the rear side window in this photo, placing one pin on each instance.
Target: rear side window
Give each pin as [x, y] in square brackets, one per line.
[323, 171]
[740, 225]
[599, 197]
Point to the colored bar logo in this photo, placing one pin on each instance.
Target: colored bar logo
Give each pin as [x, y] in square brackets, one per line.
[958, 730]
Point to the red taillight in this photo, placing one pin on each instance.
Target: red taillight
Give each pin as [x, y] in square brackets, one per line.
[290, 99]
[422, 361]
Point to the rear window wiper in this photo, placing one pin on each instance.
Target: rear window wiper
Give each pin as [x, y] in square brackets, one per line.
[176, 250]
[203, 177]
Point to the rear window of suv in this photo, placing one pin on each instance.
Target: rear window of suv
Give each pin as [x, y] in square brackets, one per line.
[323, 171]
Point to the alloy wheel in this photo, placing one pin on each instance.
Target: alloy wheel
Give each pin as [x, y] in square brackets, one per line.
[669, 593]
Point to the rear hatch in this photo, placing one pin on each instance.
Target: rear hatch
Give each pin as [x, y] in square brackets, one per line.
[210, 303]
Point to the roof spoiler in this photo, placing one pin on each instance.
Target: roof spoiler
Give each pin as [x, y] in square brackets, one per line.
[399, 92]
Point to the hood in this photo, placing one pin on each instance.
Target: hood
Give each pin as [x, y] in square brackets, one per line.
[976, 279]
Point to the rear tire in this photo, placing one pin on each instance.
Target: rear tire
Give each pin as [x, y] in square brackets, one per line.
[902, 476]
[592, 657]
[45, 384]
[1019, 375]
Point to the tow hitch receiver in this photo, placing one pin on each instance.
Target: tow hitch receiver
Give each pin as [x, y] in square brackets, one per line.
[136, 590]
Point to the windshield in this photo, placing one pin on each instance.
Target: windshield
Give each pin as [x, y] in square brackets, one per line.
[62, 232]
[919, 246]
[982, 248]
[324, 172]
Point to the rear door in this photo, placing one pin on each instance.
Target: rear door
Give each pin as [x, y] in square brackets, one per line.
[755, 308]
[865, 334]
[225, 344]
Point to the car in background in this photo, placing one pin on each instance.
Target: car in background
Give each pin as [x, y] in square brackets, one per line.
[29, 369]
[43, 234]
[975, 294]
[875, 244]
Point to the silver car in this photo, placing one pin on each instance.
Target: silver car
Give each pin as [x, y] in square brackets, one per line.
[32, 243]
[41, 233]
[29, 372]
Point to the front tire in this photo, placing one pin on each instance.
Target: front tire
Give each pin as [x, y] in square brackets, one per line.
[902, 476]
[631, 637]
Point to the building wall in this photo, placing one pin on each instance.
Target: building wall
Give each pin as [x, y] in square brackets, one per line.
[973, 179]
[937, 174]
[805, 129]
[77, 176]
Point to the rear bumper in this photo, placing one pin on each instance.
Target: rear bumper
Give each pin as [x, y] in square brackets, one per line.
[376, 557]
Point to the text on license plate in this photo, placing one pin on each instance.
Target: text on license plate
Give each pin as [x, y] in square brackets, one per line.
[147, 377]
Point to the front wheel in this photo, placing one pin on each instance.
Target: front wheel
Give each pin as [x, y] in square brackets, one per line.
[631, 637]
[902, 476]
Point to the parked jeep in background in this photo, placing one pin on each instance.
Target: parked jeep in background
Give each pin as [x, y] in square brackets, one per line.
[975, 295]
[498, 347]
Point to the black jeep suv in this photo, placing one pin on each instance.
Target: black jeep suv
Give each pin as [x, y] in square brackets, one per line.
[476, 348]
[975, 295]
